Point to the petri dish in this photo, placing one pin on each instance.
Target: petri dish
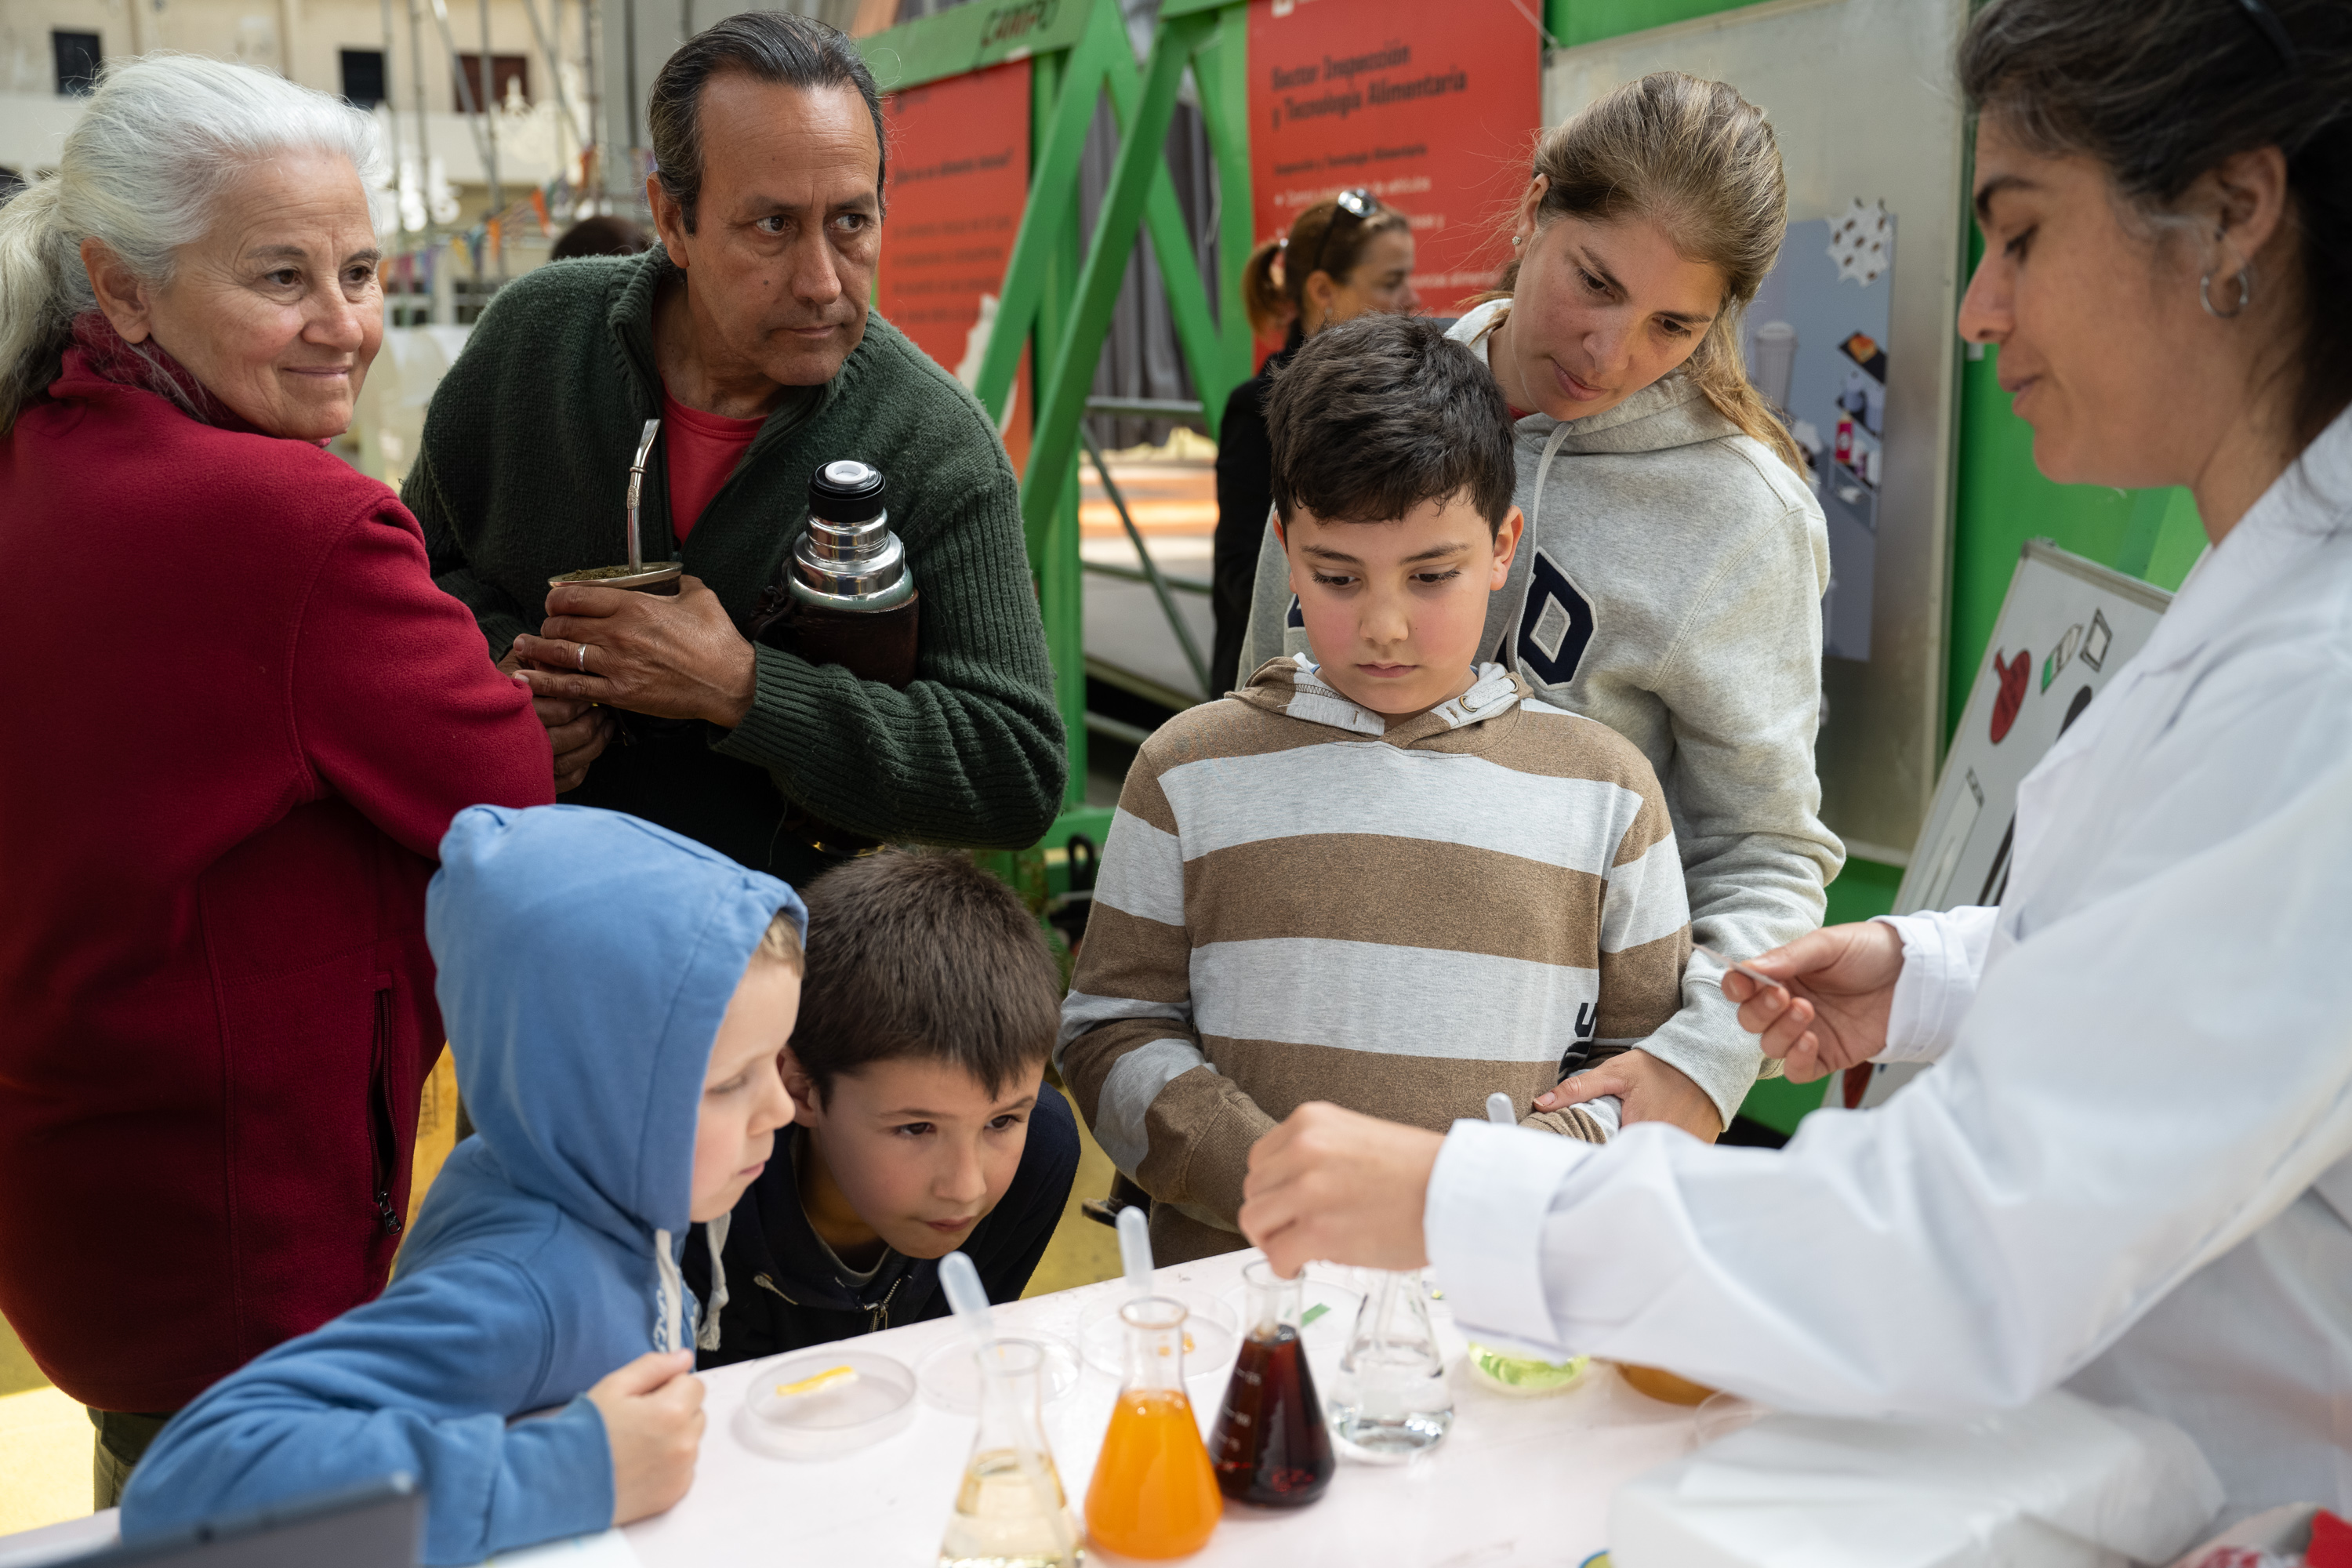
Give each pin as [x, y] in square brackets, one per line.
[1524, 1377]
[1212, 1334]
[833, 1421]
[950, 1376]
[1721, 1415]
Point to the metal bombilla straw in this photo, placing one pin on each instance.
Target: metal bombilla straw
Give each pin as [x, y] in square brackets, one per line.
[637, 484]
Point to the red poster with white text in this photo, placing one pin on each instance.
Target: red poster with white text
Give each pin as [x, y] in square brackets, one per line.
[1432, 108]
[959, 181]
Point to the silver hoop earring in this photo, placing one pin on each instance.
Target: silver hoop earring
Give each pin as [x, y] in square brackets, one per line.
[2245, 280]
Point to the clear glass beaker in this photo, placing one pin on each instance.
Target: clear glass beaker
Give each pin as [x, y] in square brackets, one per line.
[1011, 1511]
[1269, 1445]
[1390, 1400]
[1153, 1494]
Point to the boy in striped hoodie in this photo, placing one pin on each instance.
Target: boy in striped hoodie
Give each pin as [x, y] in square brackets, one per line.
[1383, 876]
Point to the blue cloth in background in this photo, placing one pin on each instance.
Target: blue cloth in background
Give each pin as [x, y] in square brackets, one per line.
[586, 959]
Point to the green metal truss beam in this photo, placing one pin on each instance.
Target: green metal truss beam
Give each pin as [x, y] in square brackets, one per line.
[1053, 442]
[1056, 296]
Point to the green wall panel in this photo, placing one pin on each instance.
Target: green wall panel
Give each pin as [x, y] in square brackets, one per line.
[1574, 22]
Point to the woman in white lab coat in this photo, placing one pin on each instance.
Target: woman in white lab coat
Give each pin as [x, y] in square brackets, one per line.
[2132, 1172]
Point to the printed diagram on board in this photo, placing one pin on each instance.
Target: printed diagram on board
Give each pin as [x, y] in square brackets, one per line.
[1861, 242]
[2066, 626]
[2012, 695]
[1817, 352]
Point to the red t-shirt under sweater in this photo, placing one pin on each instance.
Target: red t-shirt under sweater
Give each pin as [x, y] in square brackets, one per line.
[701, 451]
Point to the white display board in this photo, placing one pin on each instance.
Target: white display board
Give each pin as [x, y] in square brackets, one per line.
[2066, 627]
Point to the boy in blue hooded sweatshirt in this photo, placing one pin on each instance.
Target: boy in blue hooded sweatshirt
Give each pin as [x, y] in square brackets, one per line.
[618, 996]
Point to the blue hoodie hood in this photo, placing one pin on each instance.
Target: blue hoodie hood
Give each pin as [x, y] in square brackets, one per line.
[587, 959]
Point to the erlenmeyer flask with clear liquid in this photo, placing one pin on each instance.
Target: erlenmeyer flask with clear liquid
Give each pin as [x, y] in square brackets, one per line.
[1269, 1445]
[1153, 1494]
[1011, 1511]
[1391, 1399]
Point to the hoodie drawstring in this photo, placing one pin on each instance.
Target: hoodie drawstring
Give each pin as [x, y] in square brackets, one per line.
[1543, 473]
[706, 1338]
[669, 1298]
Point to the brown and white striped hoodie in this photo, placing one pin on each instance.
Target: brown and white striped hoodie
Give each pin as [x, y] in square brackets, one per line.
[1299, 901]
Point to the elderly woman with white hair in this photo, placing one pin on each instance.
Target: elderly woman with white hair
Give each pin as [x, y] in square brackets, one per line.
[219, 806]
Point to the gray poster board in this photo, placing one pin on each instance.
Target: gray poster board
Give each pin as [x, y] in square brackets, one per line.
[1817, 335]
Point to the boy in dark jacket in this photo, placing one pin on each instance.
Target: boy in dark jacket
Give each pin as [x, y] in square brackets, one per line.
[923, 1123]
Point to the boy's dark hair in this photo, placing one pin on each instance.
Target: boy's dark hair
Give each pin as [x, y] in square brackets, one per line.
[773, 47]
[1376, 415]
[921, 954]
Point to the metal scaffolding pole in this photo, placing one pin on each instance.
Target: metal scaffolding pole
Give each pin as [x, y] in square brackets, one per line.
[391, 108]
[464, 101]
[593, 178]
[547, 47]
[491, 125]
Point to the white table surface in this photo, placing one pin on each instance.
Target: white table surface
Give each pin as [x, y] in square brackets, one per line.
[1517, 1481]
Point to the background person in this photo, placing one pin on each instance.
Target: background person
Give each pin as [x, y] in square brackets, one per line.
[747, 334]
[2131, 1169]
[1671, 582]
[1343, 257]
[216, 1004]
[603, 234]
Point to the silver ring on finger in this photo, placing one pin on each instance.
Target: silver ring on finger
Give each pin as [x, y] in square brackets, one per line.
[583, 658]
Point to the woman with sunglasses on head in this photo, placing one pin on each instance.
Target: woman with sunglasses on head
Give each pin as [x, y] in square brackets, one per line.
[1346, 257]
[1676, 561]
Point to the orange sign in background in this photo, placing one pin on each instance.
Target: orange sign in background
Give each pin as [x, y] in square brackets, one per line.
[1434, 109]
[959, 181]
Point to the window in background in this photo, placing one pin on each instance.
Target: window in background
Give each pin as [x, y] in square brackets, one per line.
[363, 77]
[77, 61]
[505, 70]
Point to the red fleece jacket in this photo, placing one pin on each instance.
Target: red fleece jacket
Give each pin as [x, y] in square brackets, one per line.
[239, 717]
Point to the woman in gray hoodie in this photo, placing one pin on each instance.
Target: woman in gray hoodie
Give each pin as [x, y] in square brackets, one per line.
[1676, 558]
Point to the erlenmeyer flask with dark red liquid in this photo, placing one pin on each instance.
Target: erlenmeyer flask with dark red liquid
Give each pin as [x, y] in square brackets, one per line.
[1269, 1445]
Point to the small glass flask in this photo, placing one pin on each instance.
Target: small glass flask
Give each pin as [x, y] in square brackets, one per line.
[1011, 1511]
[1269, 1443]
[1153, 1494]
[1390, 1400]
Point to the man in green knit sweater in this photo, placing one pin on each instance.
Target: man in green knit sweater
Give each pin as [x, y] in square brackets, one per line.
[747, 332]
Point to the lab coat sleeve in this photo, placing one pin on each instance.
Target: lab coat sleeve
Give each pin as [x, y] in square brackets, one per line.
[2137, 1087]
[1943, 957]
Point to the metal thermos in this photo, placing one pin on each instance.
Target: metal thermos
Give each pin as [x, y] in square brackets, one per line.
[845, 594]
[850, 559]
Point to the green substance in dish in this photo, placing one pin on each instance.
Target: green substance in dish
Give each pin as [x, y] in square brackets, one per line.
[1308, 1316]
[1516, 1374]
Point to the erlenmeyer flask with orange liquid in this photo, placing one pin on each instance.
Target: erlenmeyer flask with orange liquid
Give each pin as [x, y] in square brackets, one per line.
[1153, 1493]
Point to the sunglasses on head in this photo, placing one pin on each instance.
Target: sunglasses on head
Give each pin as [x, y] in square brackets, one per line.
[1356, 208]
